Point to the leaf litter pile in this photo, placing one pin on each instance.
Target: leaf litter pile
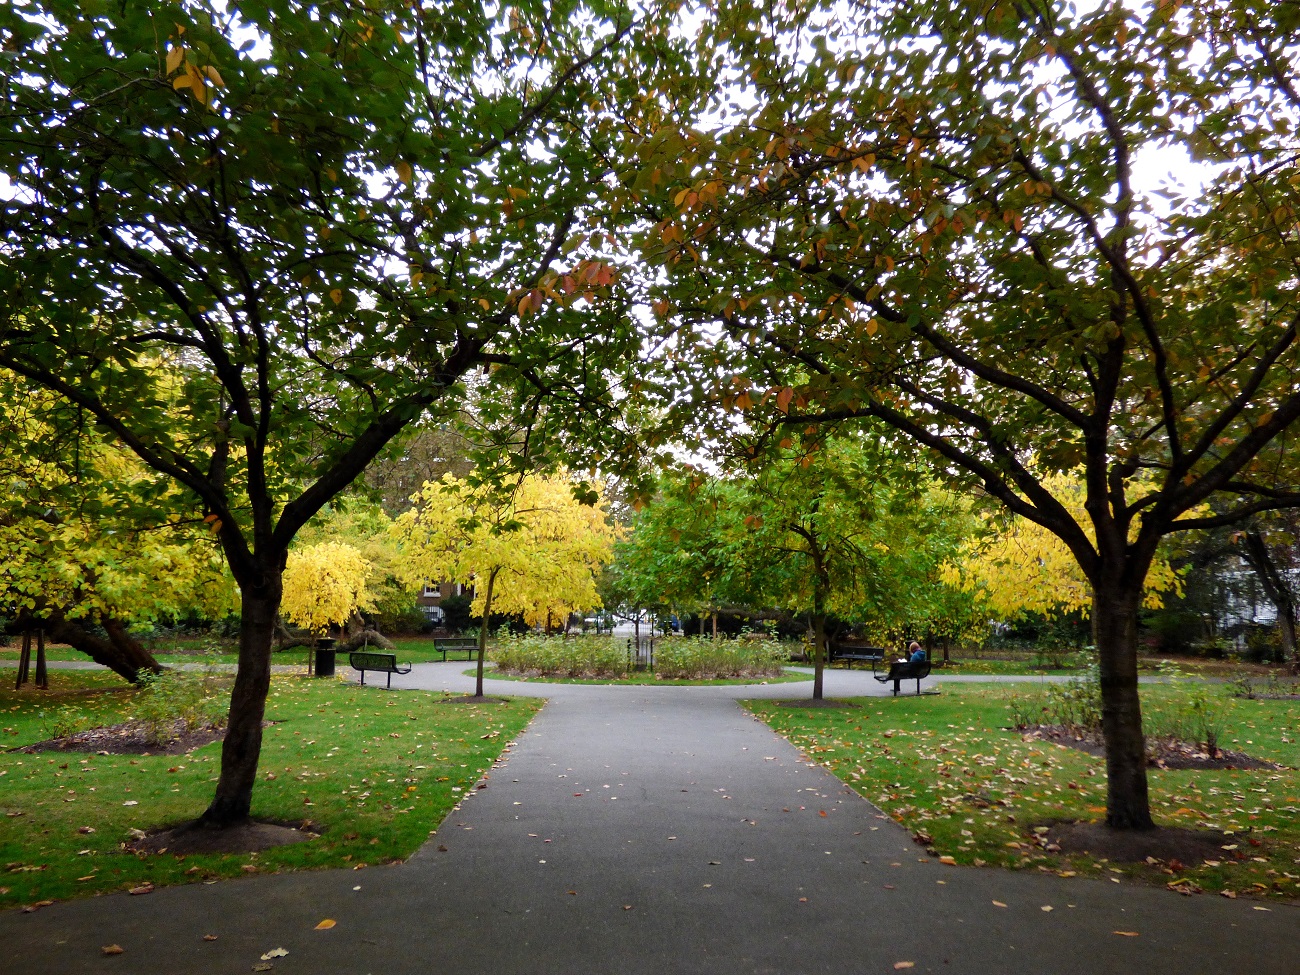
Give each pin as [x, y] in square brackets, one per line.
[975, 792]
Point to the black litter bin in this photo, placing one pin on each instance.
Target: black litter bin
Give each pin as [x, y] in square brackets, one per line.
[325, 657]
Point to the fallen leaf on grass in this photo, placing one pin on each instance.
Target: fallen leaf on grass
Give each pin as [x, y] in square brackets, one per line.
[947, 860]
[274, 953]
[325, 925]
[1126, 934]
[112, 949]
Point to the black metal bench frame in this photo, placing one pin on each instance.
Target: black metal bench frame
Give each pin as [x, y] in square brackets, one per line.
[453, 644]
[849, 653]
[384, 663]
[901, 671]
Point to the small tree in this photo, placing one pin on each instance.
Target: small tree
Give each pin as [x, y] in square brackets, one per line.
[324, 584]
[530, 548]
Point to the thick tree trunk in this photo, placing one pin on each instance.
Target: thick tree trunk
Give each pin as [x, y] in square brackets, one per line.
[259, 606]
[1114, 616]
[121, 653]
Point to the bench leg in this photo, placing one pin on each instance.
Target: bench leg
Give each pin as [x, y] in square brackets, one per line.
[363, 678]
[896, 682]
[390, 681]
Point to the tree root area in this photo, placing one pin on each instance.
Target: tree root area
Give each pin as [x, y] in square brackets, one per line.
[817, 702]
[252, 836]
[1162, 752]
[1171, 845]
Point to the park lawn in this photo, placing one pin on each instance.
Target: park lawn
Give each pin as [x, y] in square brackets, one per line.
[375, 770]
[949, 766]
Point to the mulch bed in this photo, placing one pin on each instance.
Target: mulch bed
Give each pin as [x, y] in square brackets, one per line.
[1162, 752]
[130, 738]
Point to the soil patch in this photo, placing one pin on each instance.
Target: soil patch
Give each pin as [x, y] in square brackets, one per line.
[131, 738]
[1162, 752]
[824, 702]
[250, 837]
[1172, 845]
[471, 699]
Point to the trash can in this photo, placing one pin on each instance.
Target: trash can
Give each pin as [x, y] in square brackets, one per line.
[325, 657]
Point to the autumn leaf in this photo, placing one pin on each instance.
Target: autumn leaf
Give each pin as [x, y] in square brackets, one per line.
[325, 925]
[112, 949]
[1126, 934]
[275, 953]
[904, 964]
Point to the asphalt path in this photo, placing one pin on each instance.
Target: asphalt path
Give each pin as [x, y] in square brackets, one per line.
[651, 830]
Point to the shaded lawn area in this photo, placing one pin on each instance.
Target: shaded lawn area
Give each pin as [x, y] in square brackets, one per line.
[948, 767]
[374, 772]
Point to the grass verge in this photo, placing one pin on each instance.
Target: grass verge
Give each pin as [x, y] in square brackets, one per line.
[948, 766]
[376, 771]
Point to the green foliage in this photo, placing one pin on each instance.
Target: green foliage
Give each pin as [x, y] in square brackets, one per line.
[177, 701]
[704, 658]
[579, 656]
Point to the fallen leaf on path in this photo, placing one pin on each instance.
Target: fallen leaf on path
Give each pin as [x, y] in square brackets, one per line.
[274, 953]
[904, 964]
[142, 889]
[325, 925]
[265, 966]
[627, 907]
[1264, 909]
[998, 904]
[1046, 907]
[112, 949]
[209, 937]
[1126, 934]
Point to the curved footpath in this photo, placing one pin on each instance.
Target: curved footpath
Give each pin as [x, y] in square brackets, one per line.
[658, 830]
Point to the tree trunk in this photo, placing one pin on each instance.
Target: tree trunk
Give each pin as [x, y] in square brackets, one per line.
[1114, 619]
[819, 652]
[121, 653]
[259, 606]
[483, 632]
[1277, 588]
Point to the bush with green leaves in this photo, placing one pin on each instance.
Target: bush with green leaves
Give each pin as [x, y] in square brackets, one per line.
[575, 656]
[1077, 702]
[176, 701]
[703, 658]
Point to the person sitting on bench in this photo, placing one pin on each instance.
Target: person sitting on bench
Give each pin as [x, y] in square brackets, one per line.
[916, 654]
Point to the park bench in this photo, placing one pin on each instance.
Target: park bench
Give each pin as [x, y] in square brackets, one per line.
[384, 663]
[852, 650]
[900, 671]
[456, 644]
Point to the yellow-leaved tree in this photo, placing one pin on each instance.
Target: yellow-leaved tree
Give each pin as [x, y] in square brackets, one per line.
[324, 584]
[531, 547]
[1020, 567]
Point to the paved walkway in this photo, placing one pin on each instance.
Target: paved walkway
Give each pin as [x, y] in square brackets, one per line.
[655, 830]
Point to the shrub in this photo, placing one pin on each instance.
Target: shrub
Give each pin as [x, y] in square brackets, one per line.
[1077, 702]
[582, 656]
[177, 700]
[702, 658]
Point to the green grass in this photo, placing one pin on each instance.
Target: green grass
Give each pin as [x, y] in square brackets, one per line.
[948, 766]
[377, 771]
[643, 679]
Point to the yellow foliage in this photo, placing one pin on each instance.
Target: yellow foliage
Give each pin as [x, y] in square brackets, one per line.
[540, 546]
[1022, 567]
[324, 584]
